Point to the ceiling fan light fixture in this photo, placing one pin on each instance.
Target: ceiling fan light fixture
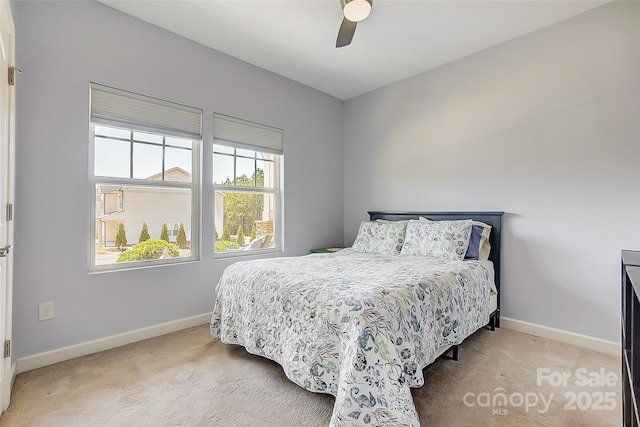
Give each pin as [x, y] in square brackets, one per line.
[356, 10]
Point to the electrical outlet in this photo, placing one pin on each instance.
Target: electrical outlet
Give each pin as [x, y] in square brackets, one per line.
[45, 310]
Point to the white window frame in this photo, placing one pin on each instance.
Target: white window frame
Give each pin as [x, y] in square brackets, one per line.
[242, 134]
[194, 185]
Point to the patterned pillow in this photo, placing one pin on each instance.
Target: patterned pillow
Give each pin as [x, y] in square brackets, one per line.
[479, 246]
[437, 239]
[380, 237]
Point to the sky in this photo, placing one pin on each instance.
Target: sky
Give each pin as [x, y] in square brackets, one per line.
[113, 157]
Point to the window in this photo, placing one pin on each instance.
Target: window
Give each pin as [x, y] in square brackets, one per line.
[246, 179]
[144, 180]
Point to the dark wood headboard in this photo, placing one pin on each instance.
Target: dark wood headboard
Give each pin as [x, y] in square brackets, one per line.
[494, 219]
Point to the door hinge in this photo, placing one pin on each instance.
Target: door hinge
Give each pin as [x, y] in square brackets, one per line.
[9, 212]
[12, 75]
[7, 348]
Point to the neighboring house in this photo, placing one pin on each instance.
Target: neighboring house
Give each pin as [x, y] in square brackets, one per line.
[135, 205]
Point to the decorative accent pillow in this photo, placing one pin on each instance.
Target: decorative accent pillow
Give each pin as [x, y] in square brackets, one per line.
[479, 246]
[380, 237]
[437, 239]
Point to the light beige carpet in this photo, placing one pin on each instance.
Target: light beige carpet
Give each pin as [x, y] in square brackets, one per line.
[186, 379]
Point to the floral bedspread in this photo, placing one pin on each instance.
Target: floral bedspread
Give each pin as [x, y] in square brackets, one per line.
[358, 326]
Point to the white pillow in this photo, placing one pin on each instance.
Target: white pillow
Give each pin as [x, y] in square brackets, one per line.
[256, 243]
[437, 239]
[379, 237]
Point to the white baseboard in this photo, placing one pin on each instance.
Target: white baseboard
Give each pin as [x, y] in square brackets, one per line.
[584, 341]
[60, 355]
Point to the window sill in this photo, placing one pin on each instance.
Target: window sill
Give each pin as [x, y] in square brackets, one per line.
[239, 253]
[128, 266]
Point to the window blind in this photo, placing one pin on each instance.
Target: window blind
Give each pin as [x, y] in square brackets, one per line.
[115, 107]
[245, 134]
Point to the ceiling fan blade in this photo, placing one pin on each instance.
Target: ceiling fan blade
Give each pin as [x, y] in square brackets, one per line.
[346, 32]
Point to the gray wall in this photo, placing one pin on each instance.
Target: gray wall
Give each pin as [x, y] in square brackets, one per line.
[62, 46]
[544, 127]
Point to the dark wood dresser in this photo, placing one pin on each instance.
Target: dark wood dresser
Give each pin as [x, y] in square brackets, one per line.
[630, 337]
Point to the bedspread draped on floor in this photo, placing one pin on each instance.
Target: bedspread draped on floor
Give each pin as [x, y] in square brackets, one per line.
[358, 326]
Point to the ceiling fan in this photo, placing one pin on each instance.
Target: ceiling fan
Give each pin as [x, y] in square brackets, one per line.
[354, 11]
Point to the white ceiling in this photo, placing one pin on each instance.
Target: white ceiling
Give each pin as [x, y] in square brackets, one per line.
[401, 38]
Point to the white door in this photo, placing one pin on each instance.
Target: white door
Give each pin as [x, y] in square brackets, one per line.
[7, 109]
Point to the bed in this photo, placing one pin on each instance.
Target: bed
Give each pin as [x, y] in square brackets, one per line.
[362, 325]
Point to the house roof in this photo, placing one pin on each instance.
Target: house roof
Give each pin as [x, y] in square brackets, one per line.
[179, 170]
[107, 189]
